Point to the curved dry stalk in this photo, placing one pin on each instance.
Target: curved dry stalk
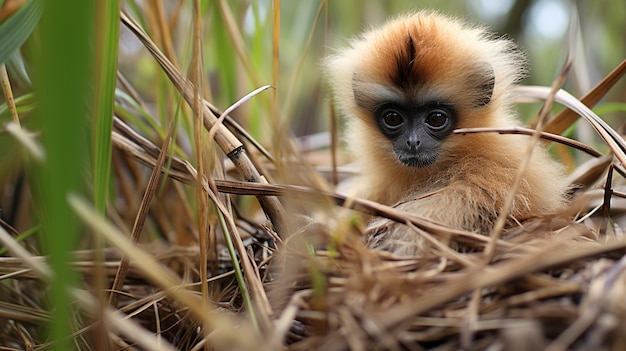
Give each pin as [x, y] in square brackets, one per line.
[567, 117]
[231, 146]
[614, 141]
[233, 107]
[544, 135]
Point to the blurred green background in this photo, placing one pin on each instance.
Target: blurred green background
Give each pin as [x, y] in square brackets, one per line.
[310, 28]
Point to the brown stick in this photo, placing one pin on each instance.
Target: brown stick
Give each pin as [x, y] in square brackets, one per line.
[231, 146]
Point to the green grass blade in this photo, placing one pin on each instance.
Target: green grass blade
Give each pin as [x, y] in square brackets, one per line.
[17, 28]
[107, 38]
[63, 80]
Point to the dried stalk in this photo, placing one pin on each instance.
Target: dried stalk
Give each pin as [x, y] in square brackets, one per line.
[231, 146]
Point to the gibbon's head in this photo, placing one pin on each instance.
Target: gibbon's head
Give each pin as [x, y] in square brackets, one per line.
[412, 81]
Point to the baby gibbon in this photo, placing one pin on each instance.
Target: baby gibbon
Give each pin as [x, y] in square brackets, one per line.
[404, 88]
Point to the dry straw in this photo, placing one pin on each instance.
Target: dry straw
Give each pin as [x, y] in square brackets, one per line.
[556, 282]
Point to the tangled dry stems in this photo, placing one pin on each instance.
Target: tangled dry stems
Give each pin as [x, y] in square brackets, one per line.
[553, 283]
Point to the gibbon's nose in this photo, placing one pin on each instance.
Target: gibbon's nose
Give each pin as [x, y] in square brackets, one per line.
[413, 144]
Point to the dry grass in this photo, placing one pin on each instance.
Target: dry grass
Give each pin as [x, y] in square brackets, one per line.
[552, 283]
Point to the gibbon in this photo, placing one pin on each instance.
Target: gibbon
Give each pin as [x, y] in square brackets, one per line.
[404, 88]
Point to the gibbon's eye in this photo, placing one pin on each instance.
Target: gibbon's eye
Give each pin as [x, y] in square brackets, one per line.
[392, 119]
[437, 119]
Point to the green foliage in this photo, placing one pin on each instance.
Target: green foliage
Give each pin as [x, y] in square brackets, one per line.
[17, 28]
[107, 39]
[63, 87]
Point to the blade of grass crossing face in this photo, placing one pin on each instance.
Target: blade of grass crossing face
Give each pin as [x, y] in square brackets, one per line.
[63, 85]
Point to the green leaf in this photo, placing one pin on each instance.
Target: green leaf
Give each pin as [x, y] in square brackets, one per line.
[63, 76]
[107, 38]
[17, 28]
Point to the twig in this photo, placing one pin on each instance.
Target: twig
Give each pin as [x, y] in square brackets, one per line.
[544, 135]
[231, 146]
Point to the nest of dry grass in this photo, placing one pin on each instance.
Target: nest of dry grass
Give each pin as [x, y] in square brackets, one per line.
[554, 283]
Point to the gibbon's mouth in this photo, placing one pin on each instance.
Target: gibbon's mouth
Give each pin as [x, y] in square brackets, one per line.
[418, 161]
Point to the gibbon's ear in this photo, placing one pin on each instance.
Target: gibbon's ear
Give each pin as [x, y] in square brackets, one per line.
[482, 82]
[360, 97]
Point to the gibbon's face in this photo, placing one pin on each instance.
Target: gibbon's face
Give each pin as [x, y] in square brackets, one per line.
[415, 81]
[416, 131]
[417, 114]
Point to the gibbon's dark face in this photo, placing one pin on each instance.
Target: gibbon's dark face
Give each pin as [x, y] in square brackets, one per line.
[416, 131]
[414, 90]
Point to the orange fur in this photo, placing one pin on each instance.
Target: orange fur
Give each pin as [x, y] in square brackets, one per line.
[474, 172]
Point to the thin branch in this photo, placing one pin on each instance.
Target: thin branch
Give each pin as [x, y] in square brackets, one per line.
[231, 146]
[544, 135]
